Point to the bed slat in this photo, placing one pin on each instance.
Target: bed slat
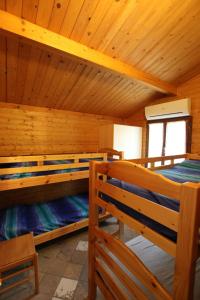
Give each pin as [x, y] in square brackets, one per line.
[133, 264]
[157, 159]
[156, 238]
[137, 175]
[108, 280]
[12, 184]
[125, 279]
[161, 214]
[42, 168]
[105, 291]
[30, 158]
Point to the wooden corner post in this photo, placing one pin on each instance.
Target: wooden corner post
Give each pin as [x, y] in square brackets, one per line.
[93, 221]
[187, 242]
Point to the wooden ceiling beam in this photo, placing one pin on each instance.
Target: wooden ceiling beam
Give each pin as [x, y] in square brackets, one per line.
[56, 42]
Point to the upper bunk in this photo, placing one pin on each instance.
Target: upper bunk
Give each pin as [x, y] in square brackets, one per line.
[25, 171]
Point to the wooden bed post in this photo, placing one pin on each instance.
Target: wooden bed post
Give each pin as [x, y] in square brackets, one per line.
[187, 242]
[93, 221]
[122, 155]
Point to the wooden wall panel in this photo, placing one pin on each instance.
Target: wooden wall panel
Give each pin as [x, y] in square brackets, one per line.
[26, 130]
[192, 89]
[43, 193]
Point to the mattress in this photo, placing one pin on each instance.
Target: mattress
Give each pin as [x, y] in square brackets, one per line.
[152, 256]
[189, 170]
[42, 217]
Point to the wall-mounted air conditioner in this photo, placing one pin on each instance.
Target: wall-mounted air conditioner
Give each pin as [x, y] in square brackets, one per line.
[172, 109]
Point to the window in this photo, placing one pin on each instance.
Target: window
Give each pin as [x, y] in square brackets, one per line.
[169, 137]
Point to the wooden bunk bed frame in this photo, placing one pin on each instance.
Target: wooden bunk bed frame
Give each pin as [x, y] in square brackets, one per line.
[111, 153]
[101, 244]
[13, 184]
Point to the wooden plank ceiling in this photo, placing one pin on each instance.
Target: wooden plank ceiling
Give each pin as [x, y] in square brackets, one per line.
[158, 37]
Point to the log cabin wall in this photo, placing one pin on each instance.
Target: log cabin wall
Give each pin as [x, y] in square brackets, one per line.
[192, 89]
[26, 130]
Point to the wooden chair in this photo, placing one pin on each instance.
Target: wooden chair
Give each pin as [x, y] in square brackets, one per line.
[14, 253]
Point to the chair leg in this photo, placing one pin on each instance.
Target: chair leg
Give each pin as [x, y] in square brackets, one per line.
[35, 262]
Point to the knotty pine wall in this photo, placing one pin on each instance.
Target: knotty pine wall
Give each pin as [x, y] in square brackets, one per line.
[26, 130]
[192, 89]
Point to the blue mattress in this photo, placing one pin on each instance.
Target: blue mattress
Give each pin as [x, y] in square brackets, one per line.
[42, 217]
[189, 170]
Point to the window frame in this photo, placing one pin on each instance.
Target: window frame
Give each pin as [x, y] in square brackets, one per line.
[187, 119]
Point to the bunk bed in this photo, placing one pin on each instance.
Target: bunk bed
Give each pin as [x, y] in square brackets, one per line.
[46, 219]
[55, 215]
[162, 205]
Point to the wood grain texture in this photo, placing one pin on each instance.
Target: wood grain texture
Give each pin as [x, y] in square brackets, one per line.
[32, 130]
[43, 193]
[56, 43]
[40, 78]
[192, 89]
[162, 40]
[141, 33]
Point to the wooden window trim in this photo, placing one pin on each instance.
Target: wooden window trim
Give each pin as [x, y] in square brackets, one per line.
[188, 121]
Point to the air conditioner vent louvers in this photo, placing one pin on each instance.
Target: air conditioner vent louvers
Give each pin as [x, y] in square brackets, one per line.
[180, 112]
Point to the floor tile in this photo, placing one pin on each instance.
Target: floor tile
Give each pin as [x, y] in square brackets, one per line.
[69, 243]
[81, 291]
[49, 284]
[82, 246]
[41, 296]
[49, 251]
[41, 274]
[66, 254]
[73, 271]
[65, 289]
[83, 236]
[84, 273]
[55, 266]
[79, 257]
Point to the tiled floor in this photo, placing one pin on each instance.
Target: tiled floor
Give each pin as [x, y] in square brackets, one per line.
[63, 265]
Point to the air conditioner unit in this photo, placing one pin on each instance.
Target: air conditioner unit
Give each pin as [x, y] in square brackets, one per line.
[172, 109]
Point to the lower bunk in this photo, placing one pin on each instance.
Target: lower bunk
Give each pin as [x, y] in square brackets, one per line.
[47, 220]
[158, 262]
[165, 210]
